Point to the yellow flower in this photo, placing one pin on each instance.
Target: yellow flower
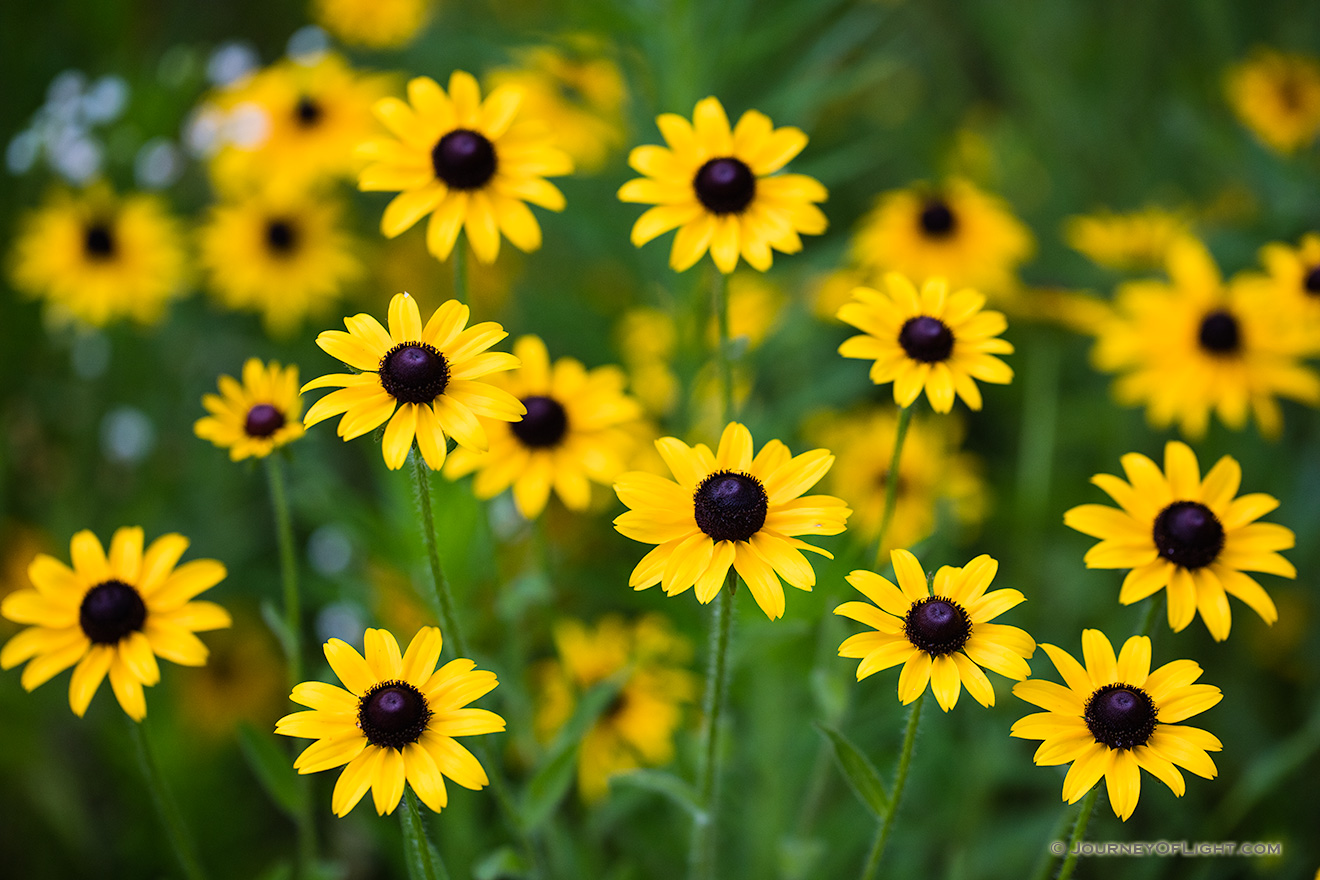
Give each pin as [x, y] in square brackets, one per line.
[376, 24]
[931, 340]
[256, 417]
[941, 635]
[1294, 274]
[647, 339]
[309, 118]
[394, 721]
[1277, 96]
[576, 429]
[1193, 345]
[471, 164]
[422, 380]
[955, 231]
[755, 308]
[729, 509]
[719, 188]
[932, 473]
[1135, 240]
[1188, 535]
[95, 257]
[1115, 718]
[112, 616]
[284, 256]
[637, 728]
[579, 93]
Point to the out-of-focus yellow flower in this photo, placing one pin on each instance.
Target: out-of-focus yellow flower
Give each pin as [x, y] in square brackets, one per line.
[1294, 277]
[832, 291]
[755, 306]
[578, 92]
[376, 24]
[243, 680]
[1079, 311]
[637, 729]
[95, 257]
[932, 473]
[1277, 96]
[647, 339]
[1135, 240]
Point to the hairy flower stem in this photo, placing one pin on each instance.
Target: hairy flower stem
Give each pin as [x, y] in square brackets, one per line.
[701, 857]
[166, 807]
[891, 483]
[900, 780]
[424, 862]
[1078, 833]
[292, 641]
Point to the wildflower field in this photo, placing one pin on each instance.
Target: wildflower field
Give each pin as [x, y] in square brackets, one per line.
[622, 439]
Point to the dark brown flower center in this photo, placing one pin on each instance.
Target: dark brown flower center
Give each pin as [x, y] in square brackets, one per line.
[307, 112]
[263, 420]
[98, 242]
[926, 339]
[1311, 281]
[110, 611]
[725, 186]
[1220, 333]
[464, 159]
[544, 425]
[1187, 533]
[937, 626]
[281, 237]
[937, 221]
[1120, 716]
[414, 372]
[393, 714]
[730, 506]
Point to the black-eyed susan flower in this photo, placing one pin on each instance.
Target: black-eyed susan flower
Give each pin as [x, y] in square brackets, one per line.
[637, 729]
[422, 380]
[1195, 345]
[256, 417]
[1277, 96]
[727, 509]
[112, 615]
[1114, 718]
[1294, 274]
[282, 255]
[470, 164]
[95, 257]
[934, 476]
[1127, 241]
[931, 340]
[719, 187]
[376, 24]
[1189, 536]
[301, 122]
[394, 721]
[941, 634]
[954, 231]
[576, 430]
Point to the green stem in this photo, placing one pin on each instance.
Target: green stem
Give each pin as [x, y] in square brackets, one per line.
[1152, 612]
[460, 270]
[1078, 833]
[701, 857]
[1045, 868]
[166, 807]
[891, 483]
[444, 602]
[424, 861]
[719, 298]
[900, 781]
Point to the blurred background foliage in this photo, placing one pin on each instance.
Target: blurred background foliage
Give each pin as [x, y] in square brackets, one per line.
[1062, 108]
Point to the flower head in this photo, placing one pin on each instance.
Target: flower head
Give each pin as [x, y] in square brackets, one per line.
[1127, 241]
[256, 417]
[1294, 276]
[942, 636]
[112, 615]
[1191, 536]
[376, 24]
[471, 164]
[1277, 96]
[394, 721]
[96, 257]
[575, 430]
[718, 186]
[727, 509]
[932, 340]
[1115, 718]
[422, 380]
[1195, 345]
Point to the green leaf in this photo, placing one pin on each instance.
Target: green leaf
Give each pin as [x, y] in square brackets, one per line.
[861, 774]
[661, 782]
[273, 766]
[502, 864]
[552, 780]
